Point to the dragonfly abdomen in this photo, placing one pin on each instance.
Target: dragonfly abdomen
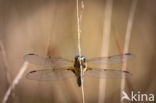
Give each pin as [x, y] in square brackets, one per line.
[79, 81]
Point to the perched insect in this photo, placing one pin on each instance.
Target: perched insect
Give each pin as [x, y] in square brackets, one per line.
[61, 68]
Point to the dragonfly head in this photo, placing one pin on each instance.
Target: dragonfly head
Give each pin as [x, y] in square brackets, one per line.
[80, 59]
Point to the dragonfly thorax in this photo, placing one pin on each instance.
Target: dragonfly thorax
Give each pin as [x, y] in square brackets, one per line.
[80, 60]
[80, 65]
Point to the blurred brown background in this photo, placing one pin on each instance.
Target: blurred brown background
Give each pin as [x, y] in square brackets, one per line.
[49, 26]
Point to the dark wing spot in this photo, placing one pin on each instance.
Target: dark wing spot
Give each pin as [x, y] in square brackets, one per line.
[32, 71]
[49, 57]
[126, 71]
[128, 53]
[109, 57]
[31, 54]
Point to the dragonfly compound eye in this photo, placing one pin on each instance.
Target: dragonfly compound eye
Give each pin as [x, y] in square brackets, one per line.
[83, 58]
[76, 57]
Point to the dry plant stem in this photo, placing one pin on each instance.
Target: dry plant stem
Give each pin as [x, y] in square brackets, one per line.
[78, 26]
[118, 43]
[15, 81]
[6, 66]
[128, 37]
[105, 44]
[79, 47]
[52, 37]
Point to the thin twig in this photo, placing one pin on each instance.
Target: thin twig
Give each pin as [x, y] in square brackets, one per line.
[6, 65]
[78, 26]
[6, 69]
[15, 81]
[79, 43]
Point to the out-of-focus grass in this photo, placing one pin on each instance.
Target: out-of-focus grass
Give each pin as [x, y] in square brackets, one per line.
[27, 26]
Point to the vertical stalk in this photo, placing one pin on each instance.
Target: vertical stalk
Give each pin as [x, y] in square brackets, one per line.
[79, 44]
[127, 38]
[105, 44]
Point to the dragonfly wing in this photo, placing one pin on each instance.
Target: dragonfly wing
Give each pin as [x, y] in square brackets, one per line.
[108, 73]
[46, 60]
[50, 74]
[111, 59]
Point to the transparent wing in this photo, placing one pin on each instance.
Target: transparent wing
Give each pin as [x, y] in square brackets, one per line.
[108, 73]
[46, 60]
[50, 74]
[111, 59]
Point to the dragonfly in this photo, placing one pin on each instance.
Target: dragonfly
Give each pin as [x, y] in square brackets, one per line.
[80, 67]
